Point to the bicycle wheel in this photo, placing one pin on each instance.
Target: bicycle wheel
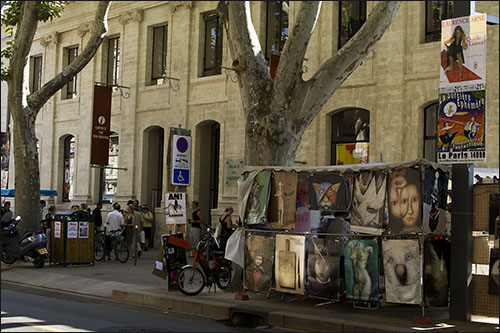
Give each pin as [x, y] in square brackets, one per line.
[121, 251]
[98, 250]
[190, 282]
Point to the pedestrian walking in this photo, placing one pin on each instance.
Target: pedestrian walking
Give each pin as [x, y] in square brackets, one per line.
[114, 222]
[195, 222]
[97, 216]
[147, 225]
[129, 227]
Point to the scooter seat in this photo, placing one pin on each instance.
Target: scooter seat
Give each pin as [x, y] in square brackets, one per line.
[218, 253]
[26, 234]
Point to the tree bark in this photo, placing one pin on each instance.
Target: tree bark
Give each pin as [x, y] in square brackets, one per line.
[25, 108]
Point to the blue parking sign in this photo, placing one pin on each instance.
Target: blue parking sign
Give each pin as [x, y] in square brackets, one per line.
[181, 177]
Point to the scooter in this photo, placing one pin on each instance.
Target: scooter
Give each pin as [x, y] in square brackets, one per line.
[31, 247]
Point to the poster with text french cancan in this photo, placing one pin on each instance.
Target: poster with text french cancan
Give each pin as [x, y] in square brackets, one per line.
[462, 127]
[463, 54]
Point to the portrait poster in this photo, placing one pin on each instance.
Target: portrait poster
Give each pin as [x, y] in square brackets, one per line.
[435, 197]
[258, 199]
[361, 270]
[402, 271]
[57, 229]
[493, 276]
[290, 263]
[493, 220]
[405, 201]
[352, 153]
[436, 271]
[72, 229]
[328, 192]
[323, 270]
[259, 256]
[302, 218]
[282, 201]
[368, 202]
[463, 54]
[462, 127]
[83, 230]
[175, 208]
[339, 232]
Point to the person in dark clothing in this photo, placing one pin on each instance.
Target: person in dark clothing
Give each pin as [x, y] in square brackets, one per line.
[226, 227]
[97, 217]
[454, 50]
[195, 222]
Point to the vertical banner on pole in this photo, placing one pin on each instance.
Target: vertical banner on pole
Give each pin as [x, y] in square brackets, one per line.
[101, 125]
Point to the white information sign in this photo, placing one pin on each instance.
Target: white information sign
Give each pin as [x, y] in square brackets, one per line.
[57, 229]
[72, 229]
[175, 208]
[181, 160]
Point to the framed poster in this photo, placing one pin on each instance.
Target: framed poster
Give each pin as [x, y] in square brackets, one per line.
[436, 271]
[352, 153]
[259, 257]
[435, 197]
[302, 216]
[361, 270]
[328, 192]
[282, 201]
[402, 270]
[493, 277]
[256, 209]
[289, 268]
[323, 270]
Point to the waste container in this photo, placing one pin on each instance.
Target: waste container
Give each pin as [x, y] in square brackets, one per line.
[72, 238]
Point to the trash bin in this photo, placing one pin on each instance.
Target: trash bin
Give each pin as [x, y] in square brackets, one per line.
[72, 238]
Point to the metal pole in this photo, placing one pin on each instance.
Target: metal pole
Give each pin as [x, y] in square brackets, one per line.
[461, 242]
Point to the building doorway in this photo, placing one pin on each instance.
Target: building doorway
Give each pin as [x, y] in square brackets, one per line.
[152, 168]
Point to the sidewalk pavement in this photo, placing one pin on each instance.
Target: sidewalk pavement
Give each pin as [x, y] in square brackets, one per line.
[136, 284]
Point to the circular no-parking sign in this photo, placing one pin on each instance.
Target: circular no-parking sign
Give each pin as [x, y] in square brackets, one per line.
[182, 145]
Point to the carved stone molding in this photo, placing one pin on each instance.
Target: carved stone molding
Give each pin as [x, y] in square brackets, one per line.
[53, 37]
[131, 15]
[176, 4]
[84, 28]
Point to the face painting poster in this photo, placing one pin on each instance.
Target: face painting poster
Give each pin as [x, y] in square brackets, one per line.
[289, 268]
[435, 201]
[282, 201]
[402, 270]
[256, 210]
[405, 202]
[361, 270]
[436, 271]
[368, 202]
[323, 270]
[461, 127]
[72, 229]
[259, 256]
[302, 218]
[493, 278]
[328, 192]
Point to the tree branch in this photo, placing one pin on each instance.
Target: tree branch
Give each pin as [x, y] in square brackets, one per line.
[337, 69]
[99, 30]
[289, 70]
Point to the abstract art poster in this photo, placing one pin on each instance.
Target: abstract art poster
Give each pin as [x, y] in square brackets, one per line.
[259, 256]
[405, 202]
[328, 192]
[282, 201]
[361, 270]
[368, 202]
[256, 210]
[302, 218]
[290, 263]
[436, 271]
[435, 201]
[402, 271]
[323, 270]
[493, 277]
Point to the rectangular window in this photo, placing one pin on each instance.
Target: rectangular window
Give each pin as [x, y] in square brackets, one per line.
[277, 27]
[35, 73]
[70, 53]
[430, 132]
[159, 53]
[113, 61]
[212, 58]
[352, 16]
[437, 11]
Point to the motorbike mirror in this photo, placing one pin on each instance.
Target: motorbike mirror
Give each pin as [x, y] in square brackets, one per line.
[18, 218]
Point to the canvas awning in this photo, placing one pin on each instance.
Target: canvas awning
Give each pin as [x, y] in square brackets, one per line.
[45, 193]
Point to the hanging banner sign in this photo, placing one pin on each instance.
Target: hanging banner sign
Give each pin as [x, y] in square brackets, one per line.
[101, 125]
[181, 160]
[175, 208]
[463, 54]
[461, 127]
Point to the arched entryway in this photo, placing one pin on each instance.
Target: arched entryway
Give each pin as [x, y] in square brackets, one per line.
[152, 167]
[350, 136]
[208, 152]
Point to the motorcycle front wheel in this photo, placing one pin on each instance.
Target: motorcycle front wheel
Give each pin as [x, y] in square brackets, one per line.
[224, 279]
[190, 282]
[38, 260]
[8, 259]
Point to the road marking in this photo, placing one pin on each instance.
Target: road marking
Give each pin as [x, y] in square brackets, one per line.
[46, 327]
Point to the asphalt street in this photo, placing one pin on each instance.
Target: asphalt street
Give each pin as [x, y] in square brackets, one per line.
[26, 309]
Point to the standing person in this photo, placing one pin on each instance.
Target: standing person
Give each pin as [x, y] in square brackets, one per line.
[129, 227]
[114, 222]
[46, 225]
[147, 225]
[226, 226]
[75, 208]
[43, 203]
[97, 217]
[84, 207]
[138, 223]
[7, 213]
[195, 222]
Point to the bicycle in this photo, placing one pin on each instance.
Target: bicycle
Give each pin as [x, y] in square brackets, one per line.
[120, 245]
[99, 246]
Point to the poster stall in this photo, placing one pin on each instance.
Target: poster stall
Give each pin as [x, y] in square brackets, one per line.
[360, 233]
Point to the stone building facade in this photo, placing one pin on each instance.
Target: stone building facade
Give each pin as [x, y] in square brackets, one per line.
[394, 86]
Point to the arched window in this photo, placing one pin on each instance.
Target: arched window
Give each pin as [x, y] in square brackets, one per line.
[350, 134]
[430, 132]
[111, 175]
[69, 168]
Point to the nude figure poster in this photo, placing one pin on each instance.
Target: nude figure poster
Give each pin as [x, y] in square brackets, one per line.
[259, 256]
[361, 270]
[282, 201]
[463, 54]
[461, 127]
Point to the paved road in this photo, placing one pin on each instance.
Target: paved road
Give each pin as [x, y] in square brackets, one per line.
[26, 309]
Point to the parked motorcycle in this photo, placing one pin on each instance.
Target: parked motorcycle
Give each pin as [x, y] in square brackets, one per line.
[193, 278]
[31, 247]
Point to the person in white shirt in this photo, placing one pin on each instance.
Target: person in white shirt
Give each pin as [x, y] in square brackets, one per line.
[114, 222]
